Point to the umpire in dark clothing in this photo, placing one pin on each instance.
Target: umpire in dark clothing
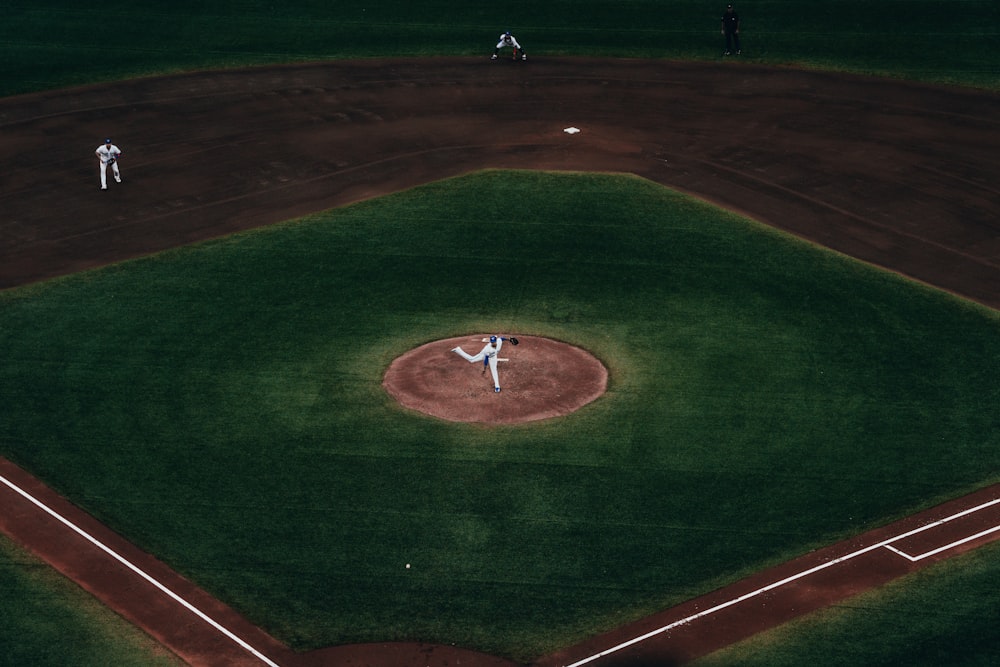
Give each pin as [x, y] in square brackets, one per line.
[731, 29]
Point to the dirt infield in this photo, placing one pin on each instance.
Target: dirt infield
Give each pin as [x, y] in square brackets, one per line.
[899, 175]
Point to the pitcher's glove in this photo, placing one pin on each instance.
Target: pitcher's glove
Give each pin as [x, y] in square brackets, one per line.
[513, 341]
[111, 160]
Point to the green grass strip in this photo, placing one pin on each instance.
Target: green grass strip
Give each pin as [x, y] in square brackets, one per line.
[57, 43]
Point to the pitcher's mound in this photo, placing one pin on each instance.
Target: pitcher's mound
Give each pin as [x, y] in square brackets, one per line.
[542, 378]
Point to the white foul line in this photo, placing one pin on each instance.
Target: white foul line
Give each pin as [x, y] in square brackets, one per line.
[800, 575]
[933, 552]
[707, 612]
[121, 559]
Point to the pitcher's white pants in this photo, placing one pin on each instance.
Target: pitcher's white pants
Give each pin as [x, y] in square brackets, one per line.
[489, 354]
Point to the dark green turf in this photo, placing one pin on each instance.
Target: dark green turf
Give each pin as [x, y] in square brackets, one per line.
[55, 43]
[47, 621]
[221, 405]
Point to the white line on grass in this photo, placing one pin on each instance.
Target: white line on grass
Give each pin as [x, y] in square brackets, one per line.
[121, 559]
[632, 642]
[800, 575]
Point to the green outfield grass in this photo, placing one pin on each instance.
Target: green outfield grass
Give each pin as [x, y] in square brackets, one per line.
[221, 405]
[56, 43]
[47, 621]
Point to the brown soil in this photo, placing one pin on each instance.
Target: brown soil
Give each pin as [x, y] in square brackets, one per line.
[896, 174]
[543, 378]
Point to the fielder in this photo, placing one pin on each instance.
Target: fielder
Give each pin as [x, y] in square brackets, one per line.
[488, 355]
[507, 41]
[731, 30]
[109, 154]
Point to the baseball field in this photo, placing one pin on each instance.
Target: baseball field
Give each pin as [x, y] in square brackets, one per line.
[216, 400]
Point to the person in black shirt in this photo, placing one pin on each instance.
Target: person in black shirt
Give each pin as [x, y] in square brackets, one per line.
[731, 30]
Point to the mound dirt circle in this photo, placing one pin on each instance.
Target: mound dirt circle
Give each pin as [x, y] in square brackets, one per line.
[540, 379]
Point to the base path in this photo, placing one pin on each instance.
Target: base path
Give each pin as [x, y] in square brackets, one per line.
[814, 581]
[900, 175]
[203, 631]
[185, 619]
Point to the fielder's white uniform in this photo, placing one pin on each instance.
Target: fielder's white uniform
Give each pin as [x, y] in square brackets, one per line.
[108, 153]
[487, 355]
[507, 40]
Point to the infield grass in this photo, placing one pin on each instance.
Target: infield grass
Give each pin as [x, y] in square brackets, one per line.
[56, 43]
[221, 405]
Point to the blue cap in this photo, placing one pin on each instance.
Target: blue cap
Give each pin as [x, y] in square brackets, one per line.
[493, 339]
[107, 141]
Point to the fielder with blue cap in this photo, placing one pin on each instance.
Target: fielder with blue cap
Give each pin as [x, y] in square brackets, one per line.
[108, 154]
[507, 41]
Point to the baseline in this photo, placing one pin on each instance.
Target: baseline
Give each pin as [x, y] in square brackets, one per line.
[884, 544]
[215, 625]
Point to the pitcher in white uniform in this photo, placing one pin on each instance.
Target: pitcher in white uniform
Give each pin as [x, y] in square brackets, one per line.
[488, 355]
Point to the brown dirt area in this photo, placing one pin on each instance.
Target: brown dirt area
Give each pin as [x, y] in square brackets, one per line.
[901, 175]
[542, 378]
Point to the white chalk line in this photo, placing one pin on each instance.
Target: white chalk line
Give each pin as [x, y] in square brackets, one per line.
[121, 559]
[805, 573]
[934, 552]
[707, 612]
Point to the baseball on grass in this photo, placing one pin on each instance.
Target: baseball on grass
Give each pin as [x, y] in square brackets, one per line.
[407, 566]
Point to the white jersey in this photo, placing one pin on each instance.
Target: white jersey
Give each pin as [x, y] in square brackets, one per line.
[508, 41]
[487, 355]
[106, 152]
